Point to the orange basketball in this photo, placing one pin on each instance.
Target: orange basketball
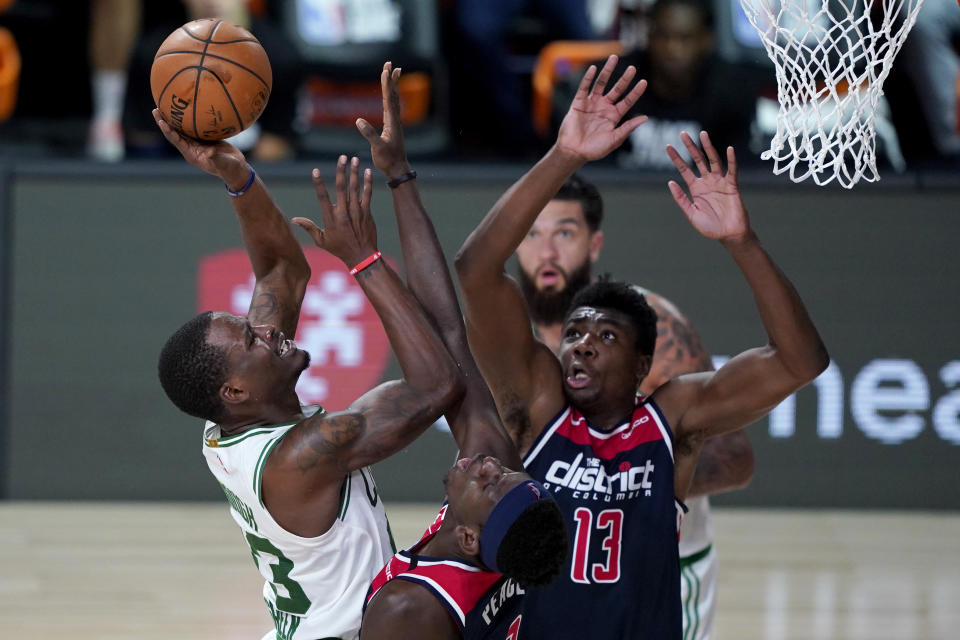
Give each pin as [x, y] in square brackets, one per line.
[211, 79]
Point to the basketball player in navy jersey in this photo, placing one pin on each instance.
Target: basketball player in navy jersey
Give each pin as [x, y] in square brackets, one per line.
[555, 262]
[620, 467]
[499, 532]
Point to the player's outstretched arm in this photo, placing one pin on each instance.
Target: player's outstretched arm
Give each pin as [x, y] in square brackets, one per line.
[753, 382]
[308, 465]
[726, 461]
[403, 610]
[474, 422]
[497, 322]
[279, 266]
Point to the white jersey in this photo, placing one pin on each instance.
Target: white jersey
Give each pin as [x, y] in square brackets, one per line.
[314, 587]
[696, 532]
[698, 570]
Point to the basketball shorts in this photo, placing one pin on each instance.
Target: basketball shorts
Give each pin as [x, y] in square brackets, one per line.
[698, 593]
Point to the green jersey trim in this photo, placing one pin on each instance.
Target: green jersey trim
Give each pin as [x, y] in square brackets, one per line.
[229, 441]
[345, 491]
[696, 557]
[258, 470]
[691, 612]
[393, 545]
[367, 484]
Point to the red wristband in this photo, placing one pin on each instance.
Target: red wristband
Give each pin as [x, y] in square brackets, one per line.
[366, 262]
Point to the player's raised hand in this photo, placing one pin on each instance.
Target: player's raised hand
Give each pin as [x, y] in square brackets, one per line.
[219, 158]
[386, 147]
[714, 206]
[348, 231]
[591, 128]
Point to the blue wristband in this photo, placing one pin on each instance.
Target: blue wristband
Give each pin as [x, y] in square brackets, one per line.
[244, 188]
[399, 180]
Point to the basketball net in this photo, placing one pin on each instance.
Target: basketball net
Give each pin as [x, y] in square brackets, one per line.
[831, 58]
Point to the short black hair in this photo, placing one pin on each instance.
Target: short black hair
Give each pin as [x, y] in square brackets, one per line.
[577, 189]
[536, 545]
[700, 6]
[621, 296]
[192, 370]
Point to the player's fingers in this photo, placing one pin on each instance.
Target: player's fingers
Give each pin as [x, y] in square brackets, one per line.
[732, 169]
[679, 196]
[158, 118]
[631, 98]
[385, 89]
[695, 153]
[685, 172]
[604, 76]
[306, 224]
[586, 81]
[621, 85]
[711, 151]
[355, 185]
[367, 190]
[627, 128]
[340, 184]
[168, 132]
[393, 108]
[310, 227]
[367, 130]
[323, 197]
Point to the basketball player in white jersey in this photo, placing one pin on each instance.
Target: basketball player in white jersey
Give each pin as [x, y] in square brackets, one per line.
[555, 261]
[296, 478]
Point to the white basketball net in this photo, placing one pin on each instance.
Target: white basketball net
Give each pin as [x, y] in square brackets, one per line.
[832, 57]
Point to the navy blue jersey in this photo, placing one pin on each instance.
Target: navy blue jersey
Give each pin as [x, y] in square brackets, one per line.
[615, 489]
[485, 605]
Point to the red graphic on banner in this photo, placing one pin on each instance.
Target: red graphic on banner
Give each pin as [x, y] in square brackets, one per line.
[338, 327]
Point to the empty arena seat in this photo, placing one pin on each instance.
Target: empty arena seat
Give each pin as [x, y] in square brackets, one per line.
[9, 73]
[344, 45]
[557, 60]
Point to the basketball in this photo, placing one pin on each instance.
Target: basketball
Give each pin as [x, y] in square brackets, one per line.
[211, 79]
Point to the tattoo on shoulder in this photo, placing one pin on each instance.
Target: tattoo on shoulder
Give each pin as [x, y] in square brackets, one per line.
[678, 349]
[333, 434]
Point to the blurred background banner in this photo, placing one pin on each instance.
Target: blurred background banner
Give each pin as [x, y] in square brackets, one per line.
[338, 327]
[108, 241]
[105, 267]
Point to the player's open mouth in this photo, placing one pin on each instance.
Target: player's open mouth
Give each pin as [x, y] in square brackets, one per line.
[549, 277]
[286, 347]
[463, 463]
[577, 378]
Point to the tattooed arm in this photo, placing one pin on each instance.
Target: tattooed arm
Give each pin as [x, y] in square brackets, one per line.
[303, 476]
[279, 266]
[725, 462]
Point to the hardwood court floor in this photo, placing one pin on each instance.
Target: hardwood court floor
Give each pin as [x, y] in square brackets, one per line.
[119, 570]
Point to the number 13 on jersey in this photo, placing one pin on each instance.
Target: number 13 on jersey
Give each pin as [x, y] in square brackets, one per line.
[609, 525]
